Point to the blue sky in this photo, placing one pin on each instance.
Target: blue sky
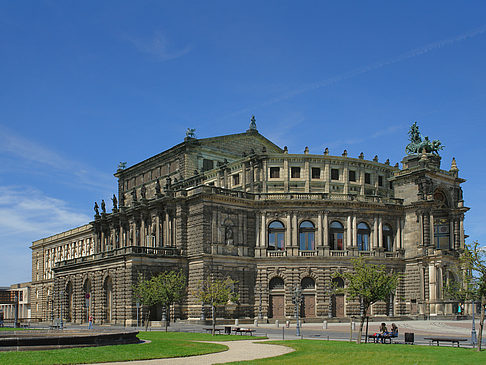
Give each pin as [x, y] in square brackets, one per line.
[88, 84]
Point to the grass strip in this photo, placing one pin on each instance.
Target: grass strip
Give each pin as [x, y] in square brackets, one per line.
[340, 352]
[162, 345]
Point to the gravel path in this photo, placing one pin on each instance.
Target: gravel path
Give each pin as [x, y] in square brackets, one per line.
[237, 351]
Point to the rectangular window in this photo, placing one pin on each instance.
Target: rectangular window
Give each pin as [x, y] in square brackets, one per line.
[236, 179]
[367, 178]
[208, 164]
[391, 185]
[334, 174]
[295, 172]
[274, 172]
[316, 173]
[352, 175]
[380, 180]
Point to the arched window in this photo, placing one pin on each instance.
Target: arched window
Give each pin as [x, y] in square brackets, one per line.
[276, 283]
[387, 237]
[337, 283]
[276, 236]
[307, 283]
[306, 235]
[363, 237]
[336, 236]
[440, 199]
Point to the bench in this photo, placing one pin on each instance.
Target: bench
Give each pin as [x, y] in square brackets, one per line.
[445, 339]
[383, 338]
[243, 330]
[210, 330]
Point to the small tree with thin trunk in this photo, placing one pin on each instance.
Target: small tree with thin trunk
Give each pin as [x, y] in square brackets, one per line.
[472, 283]
[369, 283]
[216, 293]
[163, 289]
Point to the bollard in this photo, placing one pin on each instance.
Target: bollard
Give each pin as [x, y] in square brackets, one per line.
[287, 324]
[324, 325]
[276, 322]
[237, 322]
[255, 322]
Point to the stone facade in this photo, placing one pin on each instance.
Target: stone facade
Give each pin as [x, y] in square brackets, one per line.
[240, 206]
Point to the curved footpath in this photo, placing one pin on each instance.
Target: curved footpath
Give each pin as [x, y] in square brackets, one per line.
[237, 351]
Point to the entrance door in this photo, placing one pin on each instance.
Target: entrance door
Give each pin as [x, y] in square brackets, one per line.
[338, 305]
[309, 306]
[276, 306]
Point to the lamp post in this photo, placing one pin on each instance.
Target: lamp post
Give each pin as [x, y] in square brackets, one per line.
[138, 311]
[474, 339]
[296, 300]
[87, 296]
[260, 313]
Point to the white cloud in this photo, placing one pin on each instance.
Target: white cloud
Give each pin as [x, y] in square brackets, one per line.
[39, 157]
[158, 46]
[26, 214]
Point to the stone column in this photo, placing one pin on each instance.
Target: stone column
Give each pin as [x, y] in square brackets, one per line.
[243, 176]
[307, 176]
[326, 228]
[166, 229]
[349, 233]
[225, 178]
[263, 230]
[451, 234]
[432, 288]
[374, 239]
[258, 242]
[143, 238]
[432, 241]
[157, 230]
[426, 225]
[380, 232]
[327, 177]
[355, 232]
[285, 175]
[319, 230]
[288, 230]
[103, 247]
[252, 176]
[295, 230]
[461, 232]
[457, 235]
[264, 177]
[399, 234]
[346, 179]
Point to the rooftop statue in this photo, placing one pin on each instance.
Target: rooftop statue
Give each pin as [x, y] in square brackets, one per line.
[191, 133]
[253, 126]
[417, 145]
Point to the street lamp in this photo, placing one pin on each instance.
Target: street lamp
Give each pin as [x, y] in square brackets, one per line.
[474, 339]
[296, 300]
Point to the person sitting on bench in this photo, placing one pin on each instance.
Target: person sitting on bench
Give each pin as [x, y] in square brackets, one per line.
[394, 330]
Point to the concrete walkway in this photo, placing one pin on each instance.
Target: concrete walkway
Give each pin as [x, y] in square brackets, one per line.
[237, 351]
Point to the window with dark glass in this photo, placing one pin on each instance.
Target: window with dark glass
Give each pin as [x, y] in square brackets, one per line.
[334, 174]
[306, 235]
[387, 238]
[316, 173]
[442, 234]
[274, 172]
[352, 175]
[363, 237]
[236, 179]
[276, 236]
[380, 180]
[295, 172]
[336, 236]
[391, 184]
[208, 164]
[367, 178]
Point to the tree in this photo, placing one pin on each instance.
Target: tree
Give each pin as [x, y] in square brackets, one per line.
[163, 289]
[369, 283]
[216, 292]
[472, 285]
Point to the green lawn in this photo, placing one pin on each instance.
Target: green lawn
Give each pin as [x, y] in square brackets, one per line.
[336, 352]
[163, 344]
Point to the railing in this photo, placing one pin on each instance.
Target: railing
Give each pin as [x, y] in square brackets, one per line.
[307, 253]
[138, 250]
[366, 253]
[328, 196]
[276, 253]
[338, 253]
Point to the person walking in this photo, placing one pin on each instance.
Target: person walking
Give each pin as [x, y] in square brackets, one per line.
[90, 323]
